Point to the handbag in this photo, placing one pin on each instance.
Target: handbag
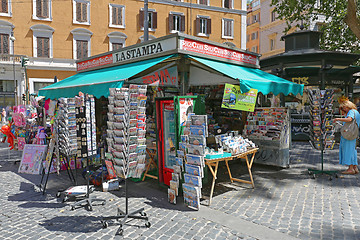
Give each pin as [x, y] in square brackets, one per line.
[350, 130]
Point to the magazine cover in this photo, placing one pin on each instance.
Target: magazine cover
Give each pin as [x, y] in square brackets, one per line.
[198, 130]
[179, 161]
[197, 140]
[192, 179]
[194, 159]
[182, 146]
[196, 149]
[200, 120]
[171, 196]
[184, 138]
[174, 185]
[191, 201]
[194, 170]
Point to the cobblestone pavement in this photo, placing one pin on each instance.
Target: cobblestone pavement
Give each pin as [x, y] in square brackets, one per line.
[290, 201]
[285, 204]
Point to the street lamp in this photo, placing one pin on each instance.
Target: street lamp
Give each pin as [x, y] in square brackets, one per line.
[12, 39]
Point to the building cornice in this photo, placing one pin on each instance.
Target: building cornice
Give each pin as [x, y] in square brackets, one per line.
[199, 6]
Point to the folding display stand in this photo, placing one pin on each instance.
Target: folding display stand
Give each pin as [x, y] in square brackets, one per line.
[322, 134]
[53, 145]
[86, 132]
[127, 144]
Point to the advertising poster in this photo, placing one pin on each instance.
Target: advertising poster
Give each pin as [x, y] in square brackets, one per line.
[234, 99]
[32, 157]
[186, 106]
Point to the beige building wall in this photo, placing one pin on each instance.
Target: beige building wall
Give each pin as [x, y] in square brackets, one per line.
[22, 20]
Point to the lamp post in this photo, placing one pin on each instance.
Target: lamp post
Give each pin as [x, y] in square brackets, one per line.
[12, 39]
[146, 21]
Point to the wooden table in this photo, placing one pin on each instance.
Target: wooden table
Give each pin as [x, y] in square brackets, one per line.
[151, 151]
[215, 163]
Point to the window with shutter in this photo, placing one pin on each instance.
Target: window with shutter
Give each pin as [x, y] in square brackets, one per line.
[203, 2]
[116, 46]
[43, 49]
[227, 4]
[117, 15]
[81, 12]
[4, 44]
[4, 6]
[81, 49]
[203, 26]
[42, 8]
[227, 28]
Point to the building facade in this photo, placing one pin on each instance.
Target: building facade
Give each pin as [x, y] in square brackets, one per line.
[54, 34]
[264, 30]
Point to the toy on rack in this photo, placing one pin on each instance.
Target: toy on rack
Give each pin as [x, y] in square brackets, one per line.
[41, 136]
[6, 130]
[322, 132]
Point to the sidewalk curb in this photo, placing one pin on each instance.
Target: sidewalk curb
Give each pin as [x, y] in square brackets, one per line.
[240, 225]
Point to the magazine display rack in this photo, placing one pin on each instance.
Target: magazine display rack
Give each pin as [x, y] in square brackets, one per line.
[322, 130]
[126, 143]
[86, 135]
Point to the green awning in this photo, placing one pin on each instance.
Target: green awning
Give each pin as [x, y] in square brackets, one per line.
[97, 82]
[254, 78]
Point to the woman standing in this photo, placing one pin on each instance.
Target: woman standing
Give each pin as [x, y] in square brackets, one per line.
[347, 150]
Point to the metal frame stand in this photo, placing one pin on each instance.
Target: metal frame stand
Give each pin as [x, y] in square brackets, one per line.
[314, 172]
[88, 200]
[126, 215]
[42, 185]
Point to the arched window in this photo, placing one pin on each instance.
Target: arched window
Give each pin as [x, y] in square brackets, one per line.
[42, 40]
[81, 43]
[116, 40]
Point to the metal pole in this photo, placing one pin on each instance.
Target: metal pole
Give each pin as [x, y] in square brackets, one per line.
[146, 21]
[12, 39]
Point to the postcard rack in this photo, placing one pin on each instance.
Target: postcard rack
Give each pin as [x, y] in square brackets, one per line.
[86, 147]
[127, 144]
[322, 129]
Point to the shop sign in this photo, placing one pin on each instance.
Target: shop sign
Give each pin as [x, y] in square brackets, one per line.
[151, 49]
[96, 62]
[32, 158]
[234, 99]
[145, 50]
[166, 76]
[212, 50]
[300, 80]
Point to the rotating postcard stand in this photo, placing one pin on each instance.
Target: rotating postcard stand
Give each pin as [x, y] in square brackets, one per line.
[127, 144]
[86, 132]
[322, 130]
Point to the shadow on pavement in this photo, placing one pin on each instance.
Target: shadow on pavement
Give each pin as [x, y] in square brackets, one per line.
[83, 224]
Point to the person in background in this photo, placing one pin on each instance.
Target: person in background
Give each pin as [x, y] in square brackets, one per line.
[347, 150]
[3, 115]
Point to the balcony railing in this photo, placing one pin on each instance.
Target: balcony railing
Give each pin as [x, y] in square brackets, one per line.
[10, 58]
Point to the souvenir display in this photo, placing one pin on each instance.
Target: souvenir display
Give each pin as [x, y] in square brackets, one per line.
[66, 123]
[126, 130]
[267, 124]
[191, 152]
[321, 115]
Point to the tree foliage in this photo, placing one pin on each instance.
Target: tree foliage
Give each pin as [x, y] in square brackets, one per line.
[337, 34]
